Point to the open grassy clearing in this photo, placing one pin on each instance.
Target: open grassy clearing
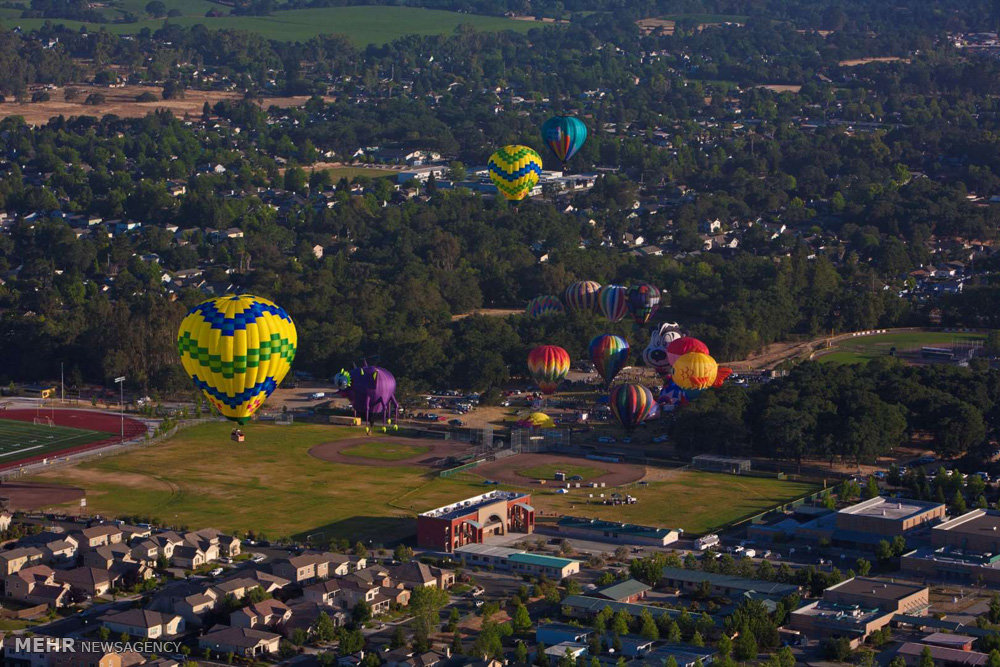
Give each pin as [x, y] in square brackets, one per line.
[385, 451]
[864, 348]
[272, 485]
[363, 25]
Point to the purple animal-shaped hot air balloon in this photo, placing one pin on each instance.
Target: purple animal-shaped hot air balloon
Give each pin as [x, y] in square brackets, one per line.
[371, 391]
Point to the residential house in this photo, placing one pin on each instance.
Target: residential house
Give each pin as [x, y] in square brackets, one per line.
[418, 575]
[323, 593]
[87, 580]
[145, 551]
[167, 541]
[13, 560]
[36, 585]
[629, 590]
[304, 615]
[244, 642]
[188, 557]
[105, 556]
[310, 566]
[238, 587]
[144, 623]
[264, 614]
[98, 536]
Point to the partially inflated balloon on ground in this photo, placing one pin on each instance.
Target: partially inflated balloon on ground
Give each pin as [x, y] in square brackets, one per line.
[549, 365]
[237, 349]
[515, 170]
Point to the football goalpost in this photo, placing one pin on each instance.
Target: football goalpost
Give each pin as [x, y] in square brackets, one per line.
[43, 421]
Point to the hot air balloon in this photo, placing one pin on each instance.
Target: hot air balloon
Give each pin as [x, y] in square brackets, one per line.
[537, 420]
[631, 404]
[515, 171]
[371, 391]
[609, 354]
[671, 396]
[613, 302]
[237, 349]
[564, 135]
[549, 365]
[643, 299]
[695, 370]
[582, 295]
[683, 345]
[655, 354]
[544, 305]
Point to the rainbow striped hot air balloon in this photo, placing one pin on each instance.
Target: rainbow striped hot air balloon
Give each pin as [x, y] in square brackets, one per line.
[609, 354]
[565, 135]
[549, 365]
[544, 305]
[237, 349]
[515, 171]
[643, 300]
[613, 302]
[582, 295]
[632, 404]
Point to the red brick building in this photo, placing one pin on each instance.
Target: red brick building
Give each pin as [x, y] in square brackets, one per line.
[472, 520]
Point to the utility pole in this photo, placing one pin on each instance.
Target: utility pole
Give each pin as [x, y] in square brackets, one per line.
[62, 383]
[120, 381]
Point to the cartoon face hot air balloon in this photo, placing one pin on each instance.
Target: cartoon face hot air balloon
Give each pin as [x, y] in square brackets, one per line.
[582, 295]
[237, 348]
[643, 300]
[549, 365]
[609, 354]
[564, 135]
[612, 301]
[631, 404]
[678, 348]
[655, 354]
[695, 370]
[544, 305]
[515, 171]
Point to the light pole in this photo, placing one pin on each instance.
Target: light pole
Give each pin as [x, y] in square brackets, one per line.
[120, 381]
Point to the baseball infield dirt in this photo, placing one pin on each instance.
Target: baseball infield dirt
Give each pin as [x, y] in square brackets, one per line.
[439, 451]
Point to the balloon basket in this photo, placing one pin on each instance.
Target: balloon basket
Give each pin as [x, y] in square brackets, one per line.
[237, 435]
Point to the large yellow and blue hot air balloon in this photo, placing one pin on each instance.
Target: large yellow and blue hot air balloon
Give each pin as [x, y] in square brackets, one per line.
[515, 171]
[237, 349]
[564, 135]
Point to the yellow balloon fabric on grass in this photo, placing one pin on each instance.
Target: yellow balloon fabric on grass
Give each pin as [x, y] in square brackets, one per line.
[237, 349]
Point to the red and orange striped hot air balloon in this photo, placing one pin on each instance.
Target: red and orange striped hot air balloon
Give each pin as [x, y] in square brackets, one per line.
[549, 365]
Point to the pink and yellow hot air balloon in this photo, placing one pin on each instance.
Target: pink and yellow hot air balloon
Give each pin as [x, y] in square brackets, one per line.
[549, 365]
[696, 371]
[681, 346]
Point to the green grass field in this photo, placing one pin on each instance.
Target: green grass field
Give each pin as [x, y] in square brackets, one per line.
[708, 18]
[549, 471]
[363, 25]
[337, 173]
[864, 348]
[18, 438]
[269, 483]
[384, 451]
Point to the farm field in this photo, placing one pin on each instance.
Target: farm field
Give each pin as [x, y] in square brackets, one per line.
[864, 348]
[271, 484]
[363, 25]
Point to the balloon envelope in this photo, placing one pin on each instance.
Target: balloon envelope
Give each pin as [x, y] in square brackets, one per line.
[678, 348]
[612, 300]
[655, 354]
[643, 300]
[609, 354]
[537, 420]
[515, 170]
[631, 404]
[544, 305]
[370, 389]
[549, 365]
[237, 349]
[695, 371]
[582, 295]
[564, 135]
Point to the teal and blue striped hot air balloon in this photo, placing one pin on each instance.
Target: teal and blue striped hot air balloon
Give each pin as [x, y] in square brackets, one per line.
[565, 135]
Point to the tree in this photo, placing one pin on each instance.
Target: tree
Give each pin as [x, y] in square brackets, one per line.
[621, 622]
[360, 550]
[897, 661]
[648, 627]
[994, 610]
[521, 621]
[156, 8]
[103, 633]
[697, 639]
[402, 552]
[862, 567]
[994, 659]
[521, 654]
[361, 613]
[95, 99]
[926, 659]
[398, 638]
[351, 641]
[324, 628]
[745, 646]
[541, 657]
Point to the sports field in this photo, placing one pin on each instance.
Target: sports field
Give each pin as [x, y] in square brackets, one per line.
[864, 348]
[365, 25]
[549, 471]
[19, 439]
[385, 451]
[270, 483]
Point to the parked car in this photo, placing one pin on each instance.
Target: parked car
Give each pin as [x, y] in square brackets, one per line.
[606, 439]
[316, 395]
[216, 572]
[456, 422]
[663, 437]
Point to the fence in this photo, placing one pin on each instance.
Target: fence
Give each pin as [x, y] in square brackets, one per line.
[450, 472]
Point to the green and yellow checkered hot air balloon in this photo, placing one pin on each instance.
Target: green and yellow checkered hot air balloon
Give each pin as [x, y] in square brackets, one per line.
[237, 349]
[515, 171]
